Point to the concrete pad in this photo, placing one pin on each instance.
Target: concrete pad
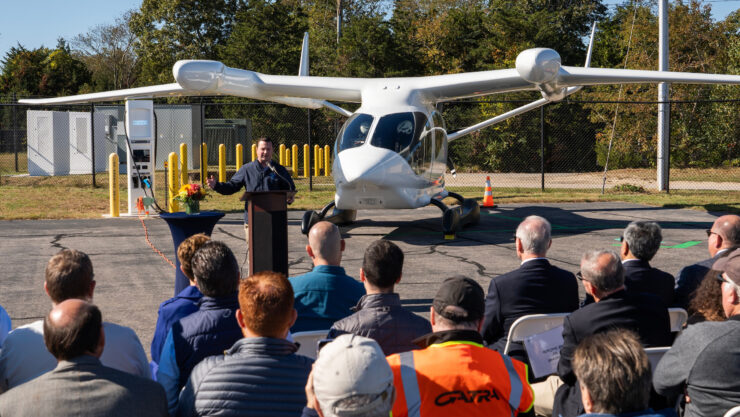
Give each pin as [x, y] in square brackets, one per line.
[132, 279]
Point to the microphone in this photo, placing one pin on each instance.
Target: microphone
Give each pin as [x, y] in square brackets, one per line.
[272, 168]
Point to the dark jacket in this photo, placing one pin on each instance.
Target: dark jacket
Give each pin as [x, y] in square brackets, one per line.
[689, 279]
[537, 287]
[643, 313]
[209, 331]
[258, 376]
[382, 318]
[639, 277]
[170, 311]
[253, 177]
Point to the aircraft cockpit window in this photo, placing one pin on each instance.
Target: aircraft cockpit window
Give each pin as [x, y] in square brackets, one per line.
[397, 131]
[354, 132]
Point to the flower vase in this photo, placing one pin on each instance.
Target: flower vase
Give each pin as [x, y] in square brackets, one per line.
[192, 208]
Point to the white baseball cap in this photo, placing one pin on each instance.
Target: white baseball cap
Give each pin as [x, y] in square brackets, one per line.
[351, 377]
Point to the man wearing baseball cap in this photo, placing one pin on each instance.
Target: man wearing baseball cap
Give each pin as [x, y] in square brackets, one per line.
[350, 378]
[454, 374]
[704, 361]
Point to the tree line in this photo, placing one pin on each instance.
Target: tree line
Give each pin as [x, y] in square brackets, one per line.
[387, 38]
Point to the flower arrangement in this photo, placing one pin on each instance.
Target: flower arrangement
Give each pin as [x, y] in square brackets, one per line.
[191, 195]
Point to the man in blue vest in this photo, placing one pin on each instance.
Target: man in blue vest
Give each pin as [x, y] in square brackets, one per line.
[208, 331]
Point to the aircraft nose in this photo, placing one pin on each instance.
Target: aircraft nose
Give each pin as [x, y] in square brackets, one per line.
[364, 162]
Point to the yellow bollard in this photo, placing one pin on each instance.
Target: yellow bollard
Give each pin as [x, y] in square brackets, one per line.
[294, 162]
[306, 161]
[113, 177]
[184, 164]
[282, 154]
[327, 160]
[321, 158]
[254, 151]
[316, 160]
[239, 156]
[222, 163]
[172, 178]
[287, 157]
[203, 163]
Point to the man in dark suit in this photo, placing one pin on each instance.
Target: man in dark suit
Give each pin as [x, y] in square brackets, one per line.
[645, 314]
[80, 384]
[640, 243]
[724, 234]
[536, 287]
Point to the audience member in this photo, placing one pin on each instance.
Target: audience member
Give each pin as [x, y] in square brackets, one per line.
[704, 362]
[724, 234]
[379, 314]
[646, 314]
[5, 325]
[640, 243]
[706, 303]
[261, 373]
[208, 331]
[455, 374]
[613, 372]
[68, 274]
[182, 304]
[327, 293]
[80, 384]
[351, 377]
[536, 287]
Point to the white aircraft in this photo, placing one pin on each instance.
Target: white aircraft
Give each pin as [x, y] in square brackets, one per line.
[391, 152]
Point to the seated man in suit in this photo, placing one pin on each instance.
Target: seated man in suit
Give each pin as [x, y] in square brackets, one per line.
[80, 384]
[640, 243]
[724, 234]
[69, 274]
[603, 278]
[537, 287]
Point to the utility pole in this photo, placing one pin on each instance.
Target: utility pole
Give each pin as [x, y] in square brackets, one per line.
[664, 108]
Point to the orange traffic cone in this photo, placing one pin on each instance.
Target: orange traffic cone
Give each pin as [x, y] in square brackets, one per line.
[488, 194]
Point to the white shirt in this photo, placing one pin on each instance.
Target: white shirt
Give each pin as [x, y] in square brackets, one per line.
[24, 355]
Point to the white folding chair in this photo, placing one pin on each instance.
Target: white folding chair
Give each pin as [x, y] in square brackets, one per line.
[678, 318]
[733, 412]
[654, 354]
[308, 341]
[532, 324]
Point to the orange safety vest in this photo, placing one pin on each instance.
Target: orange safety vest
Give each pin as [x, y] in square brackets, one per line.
[459, 378]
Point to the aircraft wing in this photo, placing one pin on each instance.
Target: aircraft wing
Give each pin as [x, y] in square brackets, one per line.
[572, 76]
[165, 90]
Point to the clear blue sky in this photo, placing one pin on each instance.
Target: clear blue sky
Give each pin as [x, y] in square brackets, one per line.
[33, 23]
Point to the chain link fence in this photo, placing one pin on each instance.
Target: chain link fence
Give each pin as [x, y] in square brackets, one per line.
[567, 145]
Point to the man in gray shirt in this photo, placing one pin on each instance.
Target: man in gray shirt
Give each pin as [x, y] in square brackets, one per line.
[705, 359]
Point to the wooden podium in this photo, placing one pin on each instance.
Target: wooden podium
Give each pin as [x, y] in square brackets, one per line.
[268, 231]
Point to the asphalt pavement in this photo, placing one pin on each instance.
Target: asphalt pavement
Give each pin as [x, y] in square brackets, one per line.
[132, 279]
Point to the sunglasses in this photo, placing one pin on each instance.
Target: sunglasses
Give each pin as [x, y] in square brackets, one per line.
[710, 232]
[721, 279]
[580, 276]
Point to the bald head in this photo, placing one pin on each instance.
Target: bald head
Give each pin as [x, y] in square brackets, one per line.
[726, 232]
[325, 244]
[73, 328]
[534, 235]
[603, 270]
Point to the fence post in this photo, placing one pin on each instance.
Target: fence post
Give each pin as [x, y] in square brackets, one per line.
[203, 163]
[92, 142]
[542, 147]
[15, 131]
[310, 177]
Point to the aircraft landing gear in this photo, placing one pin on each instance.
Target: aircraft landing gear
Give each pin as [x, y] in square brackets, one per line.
[338, 217]
[455, 218]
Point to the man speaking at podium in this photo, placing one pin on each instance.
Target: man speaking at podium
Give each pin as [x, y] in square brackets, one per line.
[262, 174]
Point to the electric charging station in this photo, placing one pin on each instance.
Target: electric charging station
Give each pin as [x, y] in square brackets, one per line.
[140, 147]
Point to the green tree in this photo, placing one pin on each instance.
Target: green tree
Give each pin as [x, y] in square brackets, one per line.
[169, 30]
